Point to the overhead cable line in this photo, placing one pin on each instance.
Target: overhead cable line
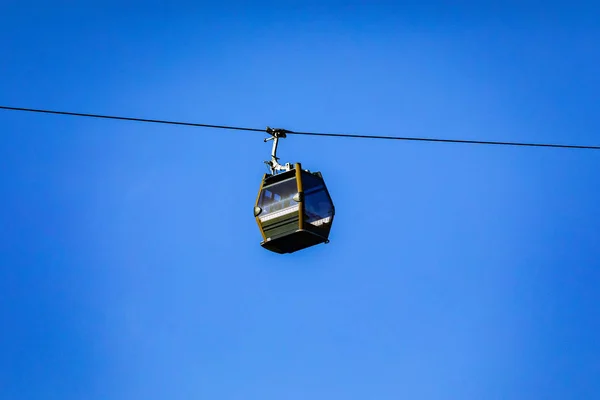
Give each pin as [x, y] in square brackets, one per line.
[154, 121]
[344, 135]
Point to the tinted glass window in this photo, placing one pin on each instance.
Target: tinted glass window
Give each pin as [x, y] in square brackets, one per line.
[278, 196]
[319, 208]
[311, 183]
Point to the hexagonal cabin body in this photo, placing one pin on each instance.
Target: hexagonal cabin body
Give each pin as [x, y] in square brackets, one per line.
[293, 210]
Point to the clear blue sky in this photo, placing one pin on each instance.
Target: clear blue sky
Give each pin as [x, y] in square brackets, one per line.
[130, 264]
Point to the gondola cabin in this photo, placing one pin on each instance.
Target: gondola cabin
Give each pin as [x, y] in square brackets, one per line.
[293, 210]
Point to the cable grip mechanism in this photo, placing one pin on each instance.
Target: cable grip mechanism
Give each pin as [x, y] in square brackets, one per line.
[273, 164]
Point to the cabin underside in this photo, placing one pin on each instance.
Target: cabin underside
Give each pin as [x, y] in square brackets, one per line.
[294, 241]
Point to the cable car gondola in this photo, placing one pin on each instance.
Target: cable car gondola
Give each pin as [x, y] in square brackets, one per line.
[293, 208]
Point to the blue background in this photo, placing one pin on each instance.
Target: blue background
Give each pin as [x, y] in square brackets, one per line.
[130, 264]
